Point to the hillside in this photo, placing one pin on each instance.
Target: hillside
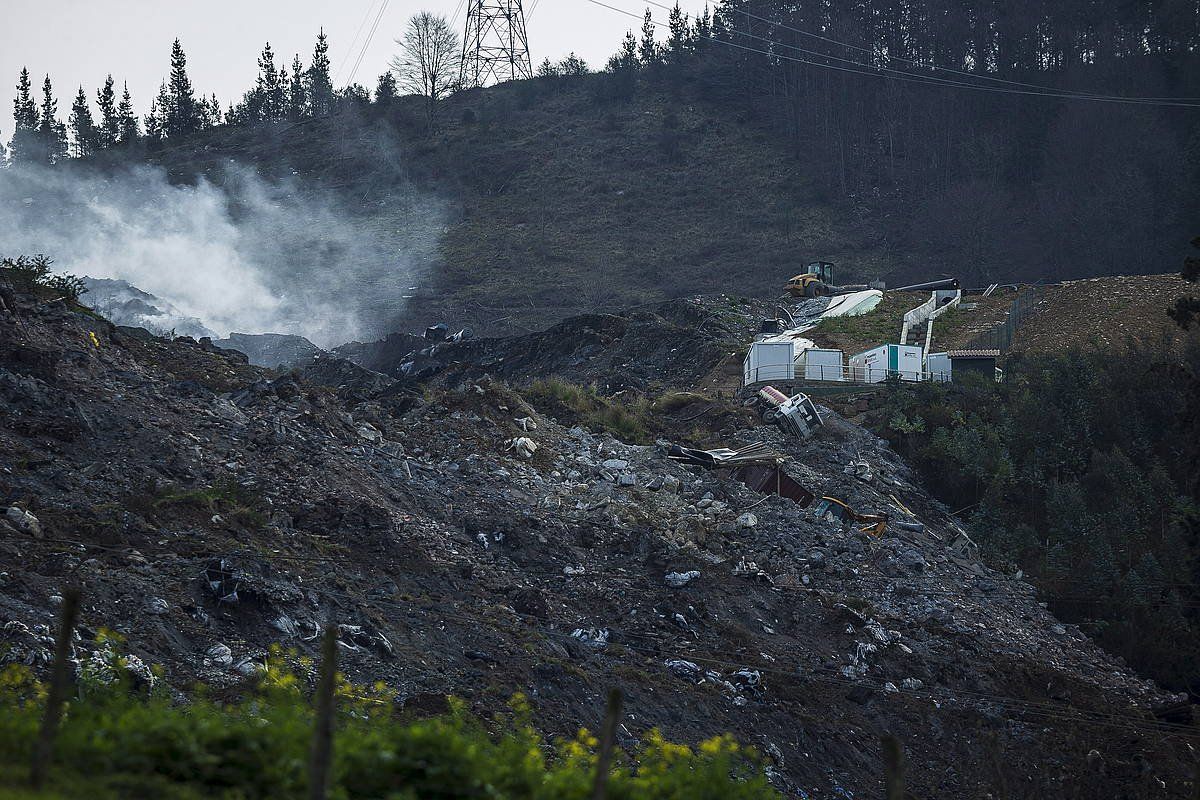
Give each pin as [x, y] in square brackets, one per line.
[210, 509]
[557, 204]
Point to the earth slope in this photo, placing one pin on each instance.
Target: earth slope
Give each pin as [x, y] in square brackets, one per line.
[210, 508]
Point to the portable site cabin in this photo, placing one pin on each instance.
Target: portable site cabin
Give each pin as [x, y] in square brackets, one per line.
[821, 365]
[938, 366]
[769, 361]
[888, 360]
[956, 363]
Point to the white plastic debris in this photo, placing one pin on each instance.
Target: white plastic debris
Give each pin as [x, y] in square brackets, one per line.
[592, 637]
[677, 580]
[523, 446]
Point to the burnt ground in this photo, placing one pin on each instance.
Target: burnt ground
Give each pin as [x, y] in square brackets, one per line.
[210, 509]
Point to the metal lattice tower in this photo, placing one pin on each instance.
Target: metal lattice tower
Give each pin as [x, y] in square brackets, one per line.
[495, 47]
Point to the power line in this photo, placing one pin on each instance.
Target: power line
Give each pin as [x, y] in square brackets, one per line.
[979, 76]
[367, 41]
[354, 41]
[891, 74]
[933, 79]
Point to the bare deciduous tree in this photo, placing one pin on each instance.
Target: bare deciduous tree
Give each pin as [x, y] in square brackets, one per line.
[428, 60]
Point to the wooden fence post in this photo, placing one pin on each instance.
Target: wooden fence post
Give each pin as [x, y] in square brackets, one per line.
[43, 748]
[893, 767]
[322, 742]
[608, 733]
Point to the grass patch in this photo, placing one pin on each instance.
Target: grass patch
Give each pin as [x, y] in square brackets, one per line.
[235, 504]
[627, 420]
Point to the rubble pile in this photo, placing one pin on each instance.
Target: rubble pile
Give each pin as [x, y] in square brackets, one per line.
[466, 543]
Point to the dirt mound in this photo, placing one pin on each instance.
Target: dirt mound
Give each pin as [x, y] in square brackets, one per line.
[1103, 313]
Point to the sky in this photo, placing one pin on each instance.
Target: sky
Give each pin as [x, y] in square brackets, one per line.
[79, 42]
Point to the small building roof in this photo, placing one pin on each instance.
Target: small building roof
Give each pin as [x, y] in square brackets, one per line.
[973, 353]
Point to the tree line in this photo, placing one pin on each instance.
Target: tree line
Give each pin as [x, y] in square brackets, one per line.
[179, 109]
[994, 139]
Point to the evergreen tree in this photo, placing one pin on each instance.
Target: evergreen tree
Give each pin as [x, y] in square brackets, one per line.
[320, 85]
[269, 88]
[109, 130]
[648, 52]
[626, 59]
[297, 94]
[3, 155]
[704, 30]
[678, 42]
[51, 132]
[83, 126]
[25, 145]
[572, 66]
[1187, 308]
[181, 114]
[547, 69]
[161, 111]
[385, 90]
[127, 121]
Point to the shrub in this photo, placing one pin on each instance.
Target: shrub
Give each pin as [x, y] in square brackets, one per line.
[118, 744]
[29, 273]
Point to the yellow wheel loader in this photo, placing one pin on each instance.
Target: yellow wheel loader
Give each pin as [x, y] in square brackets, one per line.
[815, 281]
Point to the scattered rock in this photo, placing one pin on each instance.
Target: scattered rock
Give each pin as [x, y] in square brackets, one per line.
[24, 521]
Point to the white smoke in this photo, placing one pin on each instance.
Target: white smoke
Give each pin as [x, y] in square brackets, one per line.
[248, 255]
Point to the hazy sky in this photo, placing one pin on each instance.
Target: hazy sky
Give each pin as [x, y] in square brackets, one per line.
[80, 41]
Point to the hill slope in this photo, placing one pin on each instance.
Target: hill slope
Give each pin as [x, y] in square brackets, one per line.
[210, 510]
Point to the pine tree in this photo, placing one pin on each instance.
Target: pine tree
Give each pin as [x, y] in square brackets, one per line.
[161, 111]
[385, 90]
[320, 85]
[109, 130]
[214, 111]
[704, 30]
[269, 88]
[623, 68]
[51, 132]
[572, 66]
[547, 69]
[678, 41]
[25, 146]
[180, 116]
[127, 121]
[297, 95]
[84, 132]
[648, 51]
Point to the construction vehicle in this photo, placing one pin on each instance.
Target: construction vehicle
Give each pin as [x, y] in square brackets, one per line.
[872, 524]
[817, 281]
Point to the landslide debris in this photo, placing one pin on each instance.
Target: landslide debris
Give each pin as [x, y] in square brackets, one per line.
[210, 509]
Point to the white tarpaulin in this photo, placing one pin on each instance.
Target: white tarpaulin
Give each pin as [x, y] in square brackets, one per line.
[853, 304]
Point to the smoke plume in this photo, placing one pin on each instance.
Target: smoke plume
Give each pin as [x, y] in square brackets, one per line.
[241, 254]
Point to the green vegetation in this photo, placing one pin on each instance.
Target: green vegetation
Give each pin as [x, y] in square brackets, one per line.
[32, 274]
[584, 405]
[117, 743]
[235, 503]
[1081, 469]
